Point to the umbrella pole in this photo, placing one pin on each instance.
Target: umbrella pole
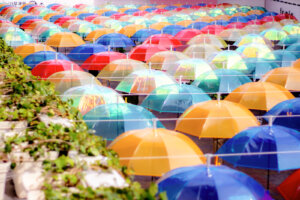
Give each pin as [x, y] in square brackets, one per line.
[268, 179]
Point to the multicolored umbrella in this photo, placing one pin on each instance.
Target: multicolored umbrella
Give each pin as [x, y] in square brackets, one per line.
[232, 34]
[274, 34]
[215, 119]
[291, 29]
[250, 39]
[283, 58]
[157, 151]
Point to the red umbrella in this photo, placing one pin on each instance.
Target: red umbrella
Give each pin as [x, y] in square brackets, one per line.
[80, 6]
[268, 19]
[90, 18]
[60, 21]
[32, 8]
[290, 187]
[163, 40]
[99, 60]
[255, 22]
[235, 25]
[178, 9]
[186, 34]
[56, 7]
[145, 51]
[211, 5]
[159, 11]
[212, 29]
[140, 13]
[28, 23]
[5, 9]
[117, 15]
[49, 67]
[284, 16]
[196, 7]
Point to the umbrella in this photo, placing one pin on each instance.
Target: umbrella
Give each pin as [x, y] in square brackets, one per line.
[48, 33]
[83, 29]
[212, 29]
[186, 34]
[254, 50]
[60, 21]
[283, 58]
[87, 97]
[17, 38]
[35, 58]
[64, 39]
[208, 39]
[172, 29]
[220, 80]
[189, 69]
[83, 16]
[253, 28]
[131, 29]
[49, 67]
[259, 95]
[163, 40]
[84, 51]
[159, 25]
[64, 80]
[115, 40]
[229, 60]
[174, 98]
[144, 81]
[274, 34]
[288, 77]
[232, 34]
[198, 25]
[215, 119]
[27, 49]
[157, 150]
[259, 66]
[289, 188]
[124, 118]
[291, 29]
[295, 49]
[289, 40]
[145, 51]
[203, 51]
[164, 60]
[99, 60]
[55, 17]
[94, 35]
[120, 68]
[26, 26]
[210, 182]
[142, 34]
[251, 38]
[236, 25]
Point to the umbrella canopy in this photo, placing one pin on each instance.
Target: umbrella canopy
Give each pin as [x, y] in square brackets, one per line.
[83, 29]
[295, 49]
[229, 60]
[208, 39]
[186, 34]
[289, 188]
[144, 81]
[291, 29]
[163, 41]
[202, 51]
[259, 67]
[64, 39]
[254, 50]
[251, 38]
[49, 32]
[27, 49]
[94, 35]
[99, 60]
[158, 150]
[221, 80]
[142, 34]
[274, 34]
[264, 139]
[232, 34]
[87, 97]
[124, 118]
[288, 77]
[115, 40]
[283, 58]
[17, 38]
[198, 25]
[145, 51]
[35, 58]
[259, 95]
[215, 119]
[172, 29]
[164, 60]
[289, 40]
[118, 69]
[84, 51]
[65, 80]
[210, 182]
[189, 69]
[131, 29]
[175, 98]
[49, 67]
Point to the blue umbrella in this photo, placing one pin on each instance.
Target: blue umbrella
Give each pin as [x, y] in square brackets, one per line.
[52, 4]
[210, 183]
[289, 40]
[259, 66]
[151, 9]
[174, 98]
[198, 25]
[219, 22]
[124, 116]
[253, 17]
[186, 6]
[115, 40]
[109, 13]
[56, 17]
[221, 80]
[82, 16]
[295, 49]
[84, 51]
[239, 19]
[170, 7]
[259, 8]
[285, 111]
[24, 19]
[27, 7]
[172, 29]
[262, 139]
[269, 14]
[283, 58]
[131, 11]
[142, 34]
[33, 59]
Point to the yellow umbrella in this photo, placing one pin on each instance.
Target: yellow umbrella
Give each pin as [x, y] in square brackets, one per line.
[118, 69]
[215, 119]
[94, 35]
[27, 49]
[165, 59]
[208, 39]
[153, 152]
[65, 80]
[130, 30]
[203, 51]
[64, 39]
[259, 95]
[288, 77]
[159, 25]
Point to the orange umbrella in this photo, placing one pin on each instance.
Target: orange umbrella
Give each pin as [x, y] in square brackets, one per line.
[215, 119]
[101, 11]
[207, 19]
[18, 17]
[122, 10]
[64, 39]
[159, 25]
[259, 95]
[100, 20]
[288, 77]
[296, 64]
[94, 35]
[27, 49]
[68, 23]
[153, 152]
[255, 12]
[130, 30]
[49, 15]
[185, 23]
[76, 13]
[144, 7]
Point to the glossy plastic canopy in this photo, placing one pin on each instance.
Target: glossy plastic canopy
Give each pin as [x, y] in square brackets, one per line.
[215, 119]
[142, 34]
[254, 50]
[153, 152]
[13, 38]
[202, 51]
[258, 67]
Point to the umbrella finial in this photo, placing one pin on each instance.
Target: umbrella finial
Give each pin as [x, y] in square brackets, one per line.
[208, 163]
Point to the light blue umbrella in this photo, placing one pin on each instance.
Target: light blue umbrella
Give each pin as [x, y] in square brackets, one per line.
[142, 34]
[172, 29]
[259, 67]
[294, 49]
[283, 58]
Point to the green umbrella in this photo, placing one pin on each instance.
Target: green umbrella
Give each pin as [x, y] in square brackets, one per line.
[274, 34]
[200, 13]
[16, 38]
[230, 11]
[245, 9]
[291, 29]
[215, 12]
[229, 60]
